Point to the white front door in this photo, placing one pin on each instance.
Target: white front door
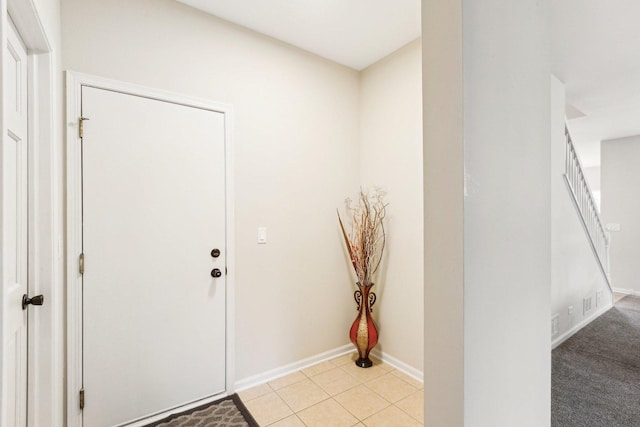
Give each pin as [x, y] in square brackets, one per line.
[14, 230]
[153, 188]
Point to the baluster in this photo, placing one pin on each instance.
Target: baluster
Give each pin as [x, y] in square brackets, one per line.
[581, 191]
[585, 203]
[582, 203]
[585, 192]
[575, 171]
[571, 168]
[566, 158]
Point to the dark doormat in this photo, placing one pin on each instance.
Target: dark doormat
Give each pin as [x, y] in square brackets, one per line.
[226, 412]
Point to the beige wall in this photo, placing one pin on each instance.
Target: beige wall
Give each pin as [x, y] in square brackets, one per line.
[391, 157]
[620, 205]
[296, 158]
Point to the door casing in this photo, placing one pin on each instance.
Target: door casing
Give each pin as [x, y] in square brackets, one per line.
[46, 348]
[75, 81]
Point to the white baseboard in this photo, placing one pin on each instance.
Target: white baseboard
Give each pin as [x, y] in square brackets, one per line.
[626, 291]
[273, 374]
[399, 365]
[568, 334]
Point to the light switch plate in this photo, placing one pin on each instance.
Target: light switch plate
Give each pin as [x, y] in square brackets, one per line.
[612, 226]
[262, 235]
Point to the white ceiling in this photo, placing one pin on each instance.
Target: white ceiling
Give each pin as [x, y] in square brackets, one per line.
[596, 53]
[355, 33]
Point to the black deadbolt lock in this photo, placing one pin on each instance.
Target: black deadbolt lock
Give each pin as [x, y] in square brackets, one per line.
[216, 272]
[37, 300]
[215, 253]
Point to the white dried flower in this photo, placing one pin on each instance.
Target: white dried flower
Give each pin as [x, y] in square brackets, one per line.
[366, 241]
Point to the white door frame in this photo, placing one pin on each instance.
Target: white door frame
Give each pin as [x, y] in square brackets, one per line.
[46, 349]
[75, 81]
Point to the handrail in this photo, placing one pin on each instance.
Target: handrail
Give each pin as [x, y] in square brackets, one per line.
[586, 207]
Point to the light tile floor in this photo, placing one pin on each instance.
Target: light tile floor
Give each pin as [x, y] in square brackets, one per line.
[337, 393]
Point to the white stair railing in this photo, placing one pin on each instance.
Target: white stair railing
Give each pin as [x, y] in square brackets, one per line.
[586, 207]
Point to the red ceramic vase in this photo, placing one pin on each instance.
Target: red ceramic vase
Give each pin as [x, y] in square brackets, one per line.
[363, 333]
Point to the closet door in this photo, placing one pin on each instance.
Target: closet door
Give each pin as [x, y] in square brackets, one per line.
[14, 248]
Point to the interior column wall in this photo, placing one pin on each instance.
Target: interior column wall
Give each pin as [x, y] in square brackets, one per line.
[487, 204]
[507, 259]
[443, 160]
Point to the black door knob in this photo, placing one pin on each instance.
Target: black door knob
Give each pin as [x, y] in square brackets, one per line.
[37, 300]
[215, 253]
[216, 272]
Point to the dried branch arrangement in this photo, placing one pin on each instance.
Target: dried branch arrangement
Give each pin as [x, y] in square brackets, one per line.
[366, 241]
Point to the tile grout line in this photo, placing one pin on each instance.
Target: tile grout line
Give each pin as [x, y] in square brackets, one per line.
[378, 394]
[410, 416]
[274, 391]
[393, 403]
[347, 409]
[395, 372]
[257, 397]
[289, 406]
[360, 382]
[369, 416]
[285, 402]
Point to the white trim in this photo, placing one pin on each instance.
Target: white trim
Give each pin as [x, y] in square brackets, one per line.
[291, 368]
[73, 248]
[46, 336]
[26, 18]
[143, 91]
[285, 370]
[35, 285]
[399, 365]
[75, 81]
[230, 259]
[626, 291]
[568, 334]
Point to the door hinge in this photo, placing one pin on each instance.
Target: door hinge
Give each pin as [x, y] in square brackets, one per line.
[81, 126]
[81, 398]
[81, 263]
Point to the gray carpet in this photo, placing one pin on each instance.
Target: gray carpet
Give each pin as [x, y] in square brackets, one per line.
[596, 373]
[226, 412]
